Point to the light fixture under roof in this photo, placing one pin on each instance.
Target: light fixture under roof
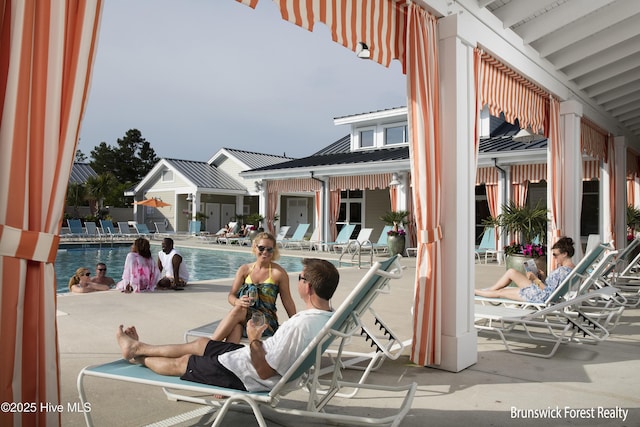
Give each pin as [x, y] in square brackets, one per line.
[362, 51]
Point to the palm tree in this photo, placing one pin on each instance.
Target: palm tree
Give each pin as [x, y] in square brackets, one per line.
[76, 195]
[98, 187]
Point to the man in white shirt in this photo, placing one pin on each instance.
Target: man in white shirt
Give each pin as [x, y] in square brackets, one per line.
[175, 271]
[256, 367]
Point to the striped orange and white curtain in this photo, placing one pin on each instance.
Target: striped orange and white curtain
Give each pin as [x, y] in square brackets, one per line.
[319, 215]
[590, 170]
[593, 139]
[334, 209]
[611, 161]
[424, 126]
[555, 174]
[46, 55]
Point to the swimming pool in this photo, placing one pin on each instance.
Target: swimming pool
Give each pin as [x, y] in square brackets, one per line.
[202, 264]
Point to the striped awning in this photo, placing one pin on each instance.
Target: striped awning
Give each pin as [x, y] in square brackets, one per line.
[293, 185]
[360, 182]
[382, 24]
[593, 140]
[487, 176]
[531, 173]
[504, 90]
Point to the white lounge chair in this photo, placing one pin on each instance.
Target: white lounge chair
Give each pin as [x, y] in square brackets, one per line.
[282, 234]
[582, 276]
[554, 325]
[297, 239]
[342, 238]
[343, 324]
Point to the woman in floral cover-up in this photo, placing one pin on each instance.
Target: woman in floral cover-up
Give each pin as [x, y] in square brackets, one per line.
[532, 288]
[141, 272]
[269, 280]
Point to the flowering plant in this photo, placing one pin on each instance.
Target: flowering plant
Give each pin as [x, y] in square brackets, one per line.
[398, 232]
[532, 250]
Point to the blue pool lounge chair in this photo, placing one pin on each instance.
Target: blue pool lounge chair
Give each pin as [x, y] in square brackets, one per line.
[341, 327]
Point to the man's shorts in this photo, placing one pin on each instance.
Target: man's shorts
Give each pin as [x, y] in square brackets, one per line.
[207, 369]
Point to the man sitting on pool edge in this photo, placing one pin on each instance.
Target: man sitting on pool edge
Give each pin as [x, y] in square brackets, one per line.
[256, 367]
[175, 271]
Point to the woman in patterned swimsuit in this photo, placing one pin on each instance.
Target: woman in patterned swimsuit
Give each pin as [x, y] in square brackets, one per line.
[269, 279]
[531, 288]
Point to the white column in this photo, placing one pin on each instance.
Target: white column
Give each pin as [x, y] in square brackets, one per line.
[457, 125]
[570, 115]
[403, 193]
[620, 175]
[239, 204]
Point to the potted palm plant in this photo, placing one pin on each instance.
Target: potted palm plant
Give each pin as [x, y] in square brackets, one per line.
[254, 220]
[395, 236]
[527, 226]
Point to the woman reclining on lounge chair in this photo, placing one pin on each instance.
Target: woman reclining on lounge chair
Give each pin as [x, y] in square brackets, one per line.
[532, 288]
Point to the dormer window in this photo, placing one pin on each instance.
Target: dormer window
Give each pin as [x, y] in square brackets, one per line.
[395, 135]
[366, 138]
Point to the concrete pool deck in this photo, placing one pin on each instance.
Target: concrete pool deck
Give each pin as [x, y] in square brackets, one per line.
[605, 376]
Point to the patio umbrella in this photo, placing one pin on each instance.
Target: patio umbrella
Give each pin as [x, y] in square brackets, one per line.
[154, 203]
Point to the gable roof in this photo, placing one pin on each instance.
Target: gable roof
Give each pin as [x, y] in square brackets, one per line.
[204, 175]
[80, 172]
[250, 159]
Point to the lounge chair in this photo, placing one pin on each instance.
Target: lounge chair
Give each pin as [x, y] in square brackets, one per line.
[125, 230]
[108, 229]
[354, 247]
[282, 234]
[75, 229]
[590, 268]
[314, 241]
[92, 231]
[344, 323]
[488, 246]
[554, 325]
[380, 246]
[298, 237]
[142, 230]
[343, 236]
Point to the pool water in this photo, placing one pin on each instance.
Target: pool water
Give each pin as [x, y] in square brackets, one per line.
[202, 264]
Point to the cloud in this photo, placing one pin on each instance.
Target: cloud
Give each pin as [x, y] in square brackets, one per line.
[194, 76]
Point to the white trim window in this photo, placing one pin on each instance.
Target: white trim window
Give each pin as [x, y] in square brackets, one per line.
[395, 134]
[366, 137]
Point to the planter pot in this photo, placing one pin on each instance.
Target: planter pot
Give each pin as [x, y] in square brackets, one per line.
[395, 245]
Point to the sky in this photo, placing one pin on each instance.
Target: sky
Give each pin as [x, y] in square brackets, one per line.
[195, 76]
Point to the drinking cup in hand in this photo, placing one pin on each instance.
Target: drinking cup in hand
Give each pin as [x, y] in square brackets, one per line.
[252, 297]
[257, 318]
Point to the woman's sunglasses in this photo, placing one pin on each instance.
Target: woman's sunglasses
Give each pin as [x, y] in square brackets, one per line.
[264, 248]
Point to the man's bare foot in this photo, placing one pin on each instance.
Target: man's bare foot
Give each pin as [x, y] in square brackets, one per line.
[127, 343]
[132, 332]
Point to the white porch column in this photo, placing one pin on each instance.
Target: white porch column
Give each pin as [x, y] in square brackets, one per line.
[239, 204]
[570, 114]
[403, 193]
[620, 176]
[457, 121]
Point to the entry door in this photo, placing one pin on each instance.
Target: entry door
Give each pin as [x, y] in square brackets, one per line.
[213, 222]
[297, 212]
[227, 211]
